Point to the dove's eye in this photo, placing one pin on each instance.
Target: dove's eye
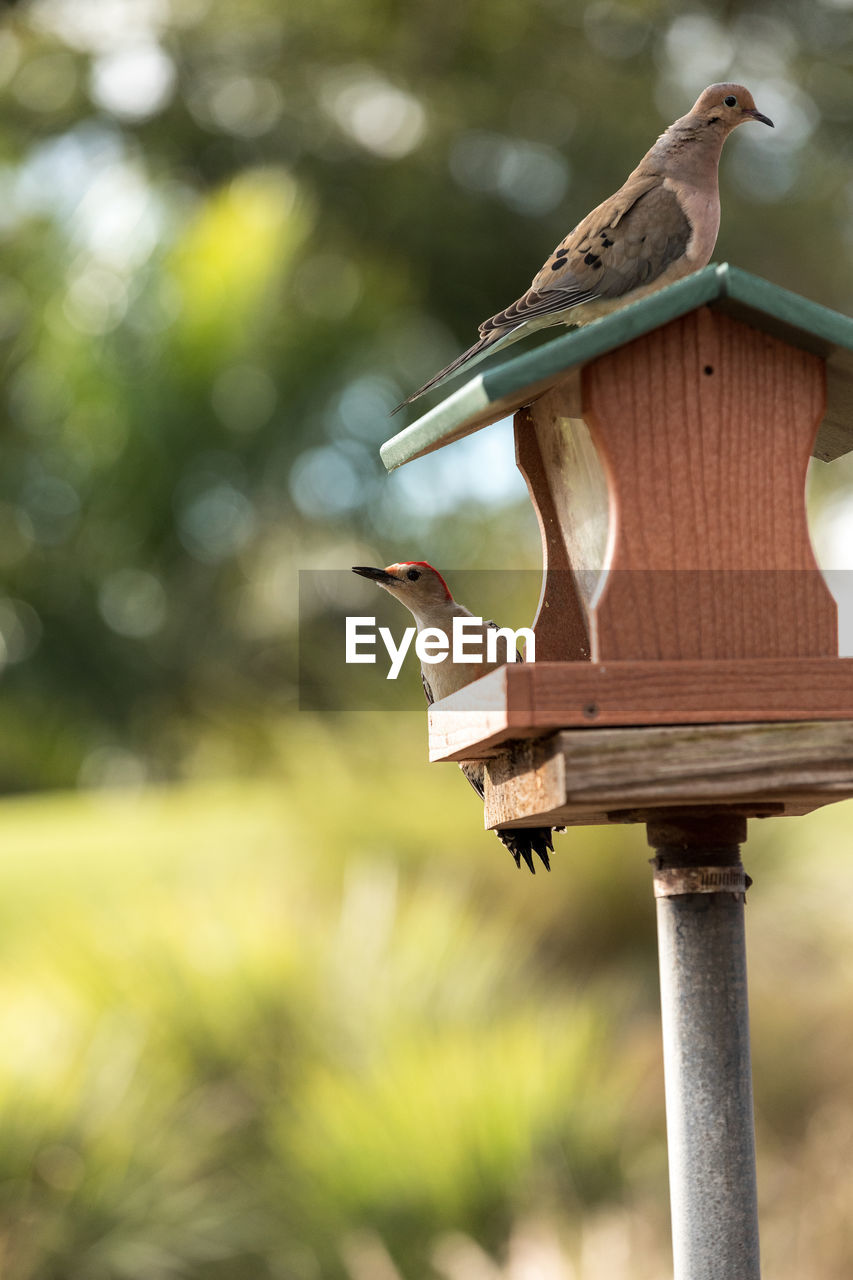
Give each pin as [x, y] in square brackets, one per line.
[730, 101]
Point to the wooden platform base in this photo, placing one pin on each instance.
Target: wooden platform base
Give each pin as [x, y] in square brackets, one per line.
[528, 701]
[589, 777]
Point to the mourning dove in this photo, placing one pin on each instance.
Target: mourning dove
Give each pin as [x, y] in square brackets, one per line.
[660, 225]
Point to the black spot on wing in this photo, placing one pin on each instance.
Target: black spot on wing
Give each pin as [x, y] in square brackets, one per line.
[635, 266]
[643, 258]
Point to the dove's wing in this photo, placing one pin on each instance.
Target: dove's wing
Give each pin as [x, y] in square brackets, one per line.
[628, 241]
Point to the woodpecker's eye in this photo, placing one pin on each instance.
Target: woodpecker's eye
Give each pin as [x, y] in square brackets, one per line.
[730, 101]
[413, 575]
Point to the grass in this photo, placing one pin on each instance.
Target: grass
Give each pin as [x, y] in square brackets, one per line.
[317, 1025]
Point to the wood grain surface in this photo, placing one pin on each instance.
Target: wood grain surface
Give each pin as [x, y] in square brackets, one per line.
[705, 428]
[529, 700]
[619, 774]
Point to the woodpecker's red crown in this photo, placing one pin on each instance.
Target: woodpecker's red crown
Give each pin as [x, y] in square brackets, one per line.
[404, 570]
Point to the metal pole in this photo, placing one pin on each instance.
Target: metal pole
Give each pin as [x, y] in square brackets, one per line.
[700, 887]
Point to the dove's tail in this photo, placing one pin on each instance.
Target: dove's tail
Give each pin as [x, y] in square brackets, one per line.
[490, 342]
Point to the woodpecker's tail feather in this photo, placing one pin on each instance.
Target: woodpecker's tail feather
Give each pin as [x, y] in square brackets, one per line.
[523, 842]
[481, 348]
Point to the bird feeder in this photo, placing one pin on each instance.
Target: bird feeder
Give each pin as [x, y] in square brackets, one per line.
[687, 672]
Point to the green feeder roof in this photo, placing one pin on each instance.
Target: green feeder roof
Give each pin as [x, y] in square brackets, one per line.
[499, 391]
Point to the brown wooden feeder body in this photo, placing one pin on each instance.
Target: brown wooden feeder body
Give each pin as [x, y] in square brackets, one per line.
[665, 448]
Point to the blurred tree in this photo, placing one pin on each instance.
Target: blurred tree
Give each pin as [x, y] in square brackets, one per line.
[232, 237]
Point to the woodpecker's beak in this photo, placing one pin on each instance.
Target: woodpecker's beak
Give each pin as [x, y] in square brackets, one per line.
[376, 575]
[756, 115]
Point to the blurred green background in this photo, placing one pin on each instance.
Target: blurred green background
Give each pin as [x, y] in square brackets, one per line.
[273, 1004]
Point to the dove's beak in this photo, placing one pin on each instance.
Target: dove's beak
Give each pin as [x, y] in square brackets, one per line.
[756, 115]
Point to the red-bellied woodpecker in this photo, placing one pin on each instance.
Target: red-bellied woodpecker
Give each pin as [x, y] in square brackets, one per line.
[427, 597]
